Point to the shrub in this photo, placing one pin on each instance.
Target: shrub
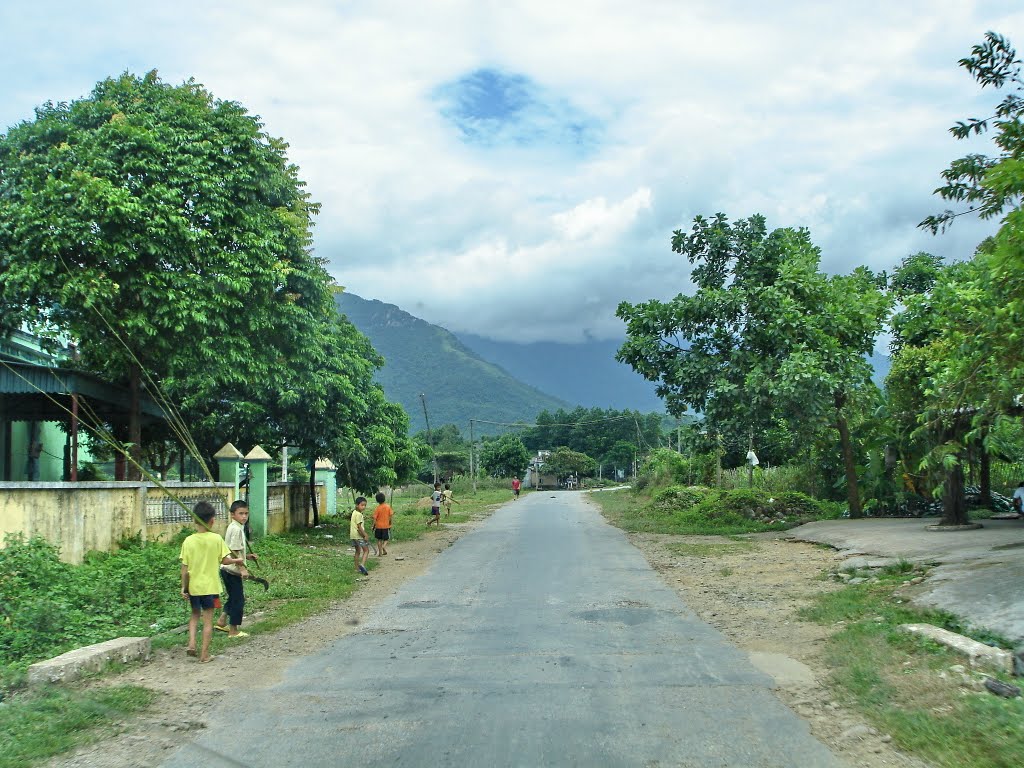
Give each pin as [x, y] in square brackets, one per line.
[742, 503]
[678, 498]
[793, 504]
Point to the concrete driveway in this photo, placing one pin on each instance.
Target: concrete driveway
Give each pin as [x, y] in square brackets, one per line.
[540, 638]
[979, 576]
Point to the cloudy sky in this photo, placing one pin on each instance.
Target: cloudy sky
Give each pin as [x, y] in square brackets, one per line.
[515, 169]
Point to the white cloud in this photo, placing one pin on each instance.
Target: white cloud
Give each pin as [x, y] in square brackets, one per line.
[831, 117]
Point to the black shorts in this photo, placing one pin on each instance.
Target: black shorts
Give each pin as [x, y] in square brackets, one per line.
[382, 534]
[202, 602]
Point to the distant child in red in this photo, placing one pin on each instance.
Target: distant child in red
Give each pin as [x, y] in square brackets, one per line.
[516, 485]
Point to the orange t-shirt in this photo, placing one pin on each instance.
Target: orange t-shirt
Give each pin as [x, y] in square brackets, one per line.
[382, 516]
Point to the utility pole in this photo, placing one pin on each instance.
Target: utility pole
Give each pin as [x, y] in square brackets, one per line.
[472, 446]
[430, 438]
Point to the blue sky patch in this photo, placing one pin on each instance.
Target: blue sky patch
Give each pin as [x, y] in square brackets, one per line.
[492, 108]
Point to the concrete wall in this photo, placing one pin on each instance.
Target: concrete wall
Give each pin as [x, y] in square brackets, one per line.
[95, 516]
[77, 517]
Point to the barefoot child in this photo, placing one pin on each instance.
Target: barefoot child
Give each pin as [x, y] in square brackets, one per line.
[447, 497]
[357, 533]
[382, 524]
[232, 575]
[435, 506]
[201, 554]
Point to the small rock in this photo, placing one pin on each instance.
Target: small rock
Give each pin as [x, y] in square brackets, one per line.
[958, 668]
[858, 580]
[886, 738]
[856, 732]
[917, 580]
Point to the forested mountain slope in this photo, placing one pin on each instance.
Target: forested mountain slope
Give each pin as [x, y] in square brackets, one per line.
[424, 358]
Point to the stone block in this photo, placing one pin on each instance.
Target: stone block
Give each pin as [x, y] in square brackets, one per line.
[978, 654]
[92, 658]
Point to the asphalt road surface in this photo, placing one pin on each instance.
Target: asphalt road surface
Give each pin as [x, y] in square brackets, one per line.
[541, 638]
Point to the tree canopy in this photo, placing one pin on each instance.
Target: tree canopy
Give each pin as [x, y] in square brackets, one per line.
[167, 234]
[766, 336]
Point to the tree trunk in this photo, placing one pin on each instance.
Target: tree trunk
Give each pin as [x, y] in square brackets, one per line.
[985, 471]
[849, 465]
[954, 505]
[312, 493]
[135, 423]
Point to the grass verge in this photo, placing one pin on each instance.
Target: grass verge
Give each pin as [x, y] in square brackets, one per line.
[38, 725]
[913, 689]
[630, 511]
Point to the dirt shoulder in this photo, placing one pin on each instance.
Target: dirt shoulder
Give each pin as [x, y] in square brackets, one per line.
[751, 591]
[187, 689]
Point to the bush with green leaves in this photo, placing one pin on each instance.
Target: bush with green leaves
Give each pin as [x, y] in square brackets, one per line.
[678, 498]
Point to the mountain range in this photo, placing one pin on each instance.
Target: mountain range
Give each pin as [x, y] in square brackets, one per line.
[465, 376]
[457, 384]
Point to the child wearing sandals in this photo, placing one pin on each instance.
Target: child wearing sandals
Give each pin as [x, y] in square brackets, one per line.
[382, 524]
[233, 575]
[201, 555]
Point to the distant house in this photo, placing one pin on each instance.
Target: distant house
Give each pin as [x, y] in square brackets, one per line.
[42, 405]
[536, 477]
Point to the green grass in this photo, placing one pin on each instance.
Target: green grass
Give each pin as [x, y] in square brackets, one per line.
[894, 678]
[628, 510]
[38, 725]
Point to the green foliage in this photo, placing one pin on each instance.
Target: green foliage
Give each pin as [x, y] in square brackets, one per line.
[564, 462]
[39, 725]
[766, 338]
[505, 457]
[614, 437]
[678, 498]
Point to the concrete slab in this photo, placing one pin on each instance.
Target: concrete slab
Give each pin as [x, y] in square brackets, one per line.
[92, 658]
[979, 571]
[979, 655]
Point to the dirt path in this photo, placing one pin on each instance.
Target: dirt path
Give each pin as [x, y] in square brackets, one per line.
[751, 592]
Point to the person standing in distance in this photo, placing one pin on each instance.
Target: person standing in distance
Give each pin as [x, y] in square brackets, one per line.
[516, 485]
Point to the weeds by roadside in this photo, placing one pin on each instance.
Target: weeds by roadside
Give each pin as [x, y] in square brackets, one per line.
[911, 688]
[45, 723]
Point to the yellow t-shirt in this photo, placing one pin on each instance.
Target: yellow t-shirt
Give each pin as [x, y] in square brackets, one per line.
[202, 553]
[353, 526]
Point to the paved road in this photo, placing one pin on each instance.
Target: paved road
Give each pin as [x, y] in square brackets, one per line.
[541, 638]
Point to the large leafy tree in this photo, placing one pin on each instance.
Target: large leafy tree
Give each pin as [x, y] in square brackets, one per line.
[505, 457]
[563, 462]
[168, 234]
[976, 365]
[766, 336]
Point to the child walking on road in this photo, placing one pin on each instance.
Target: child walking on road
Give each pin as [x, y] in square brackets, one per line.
[382, 524]
[232, 575]
[435, 506]
[357, 533]
[201, 555]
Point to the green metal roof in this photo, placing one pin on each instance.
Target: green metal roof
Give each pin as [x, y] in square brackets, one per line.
[33, 392]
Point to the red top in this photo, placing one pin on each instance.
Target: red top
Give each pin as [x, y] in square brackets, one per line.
[516, 484]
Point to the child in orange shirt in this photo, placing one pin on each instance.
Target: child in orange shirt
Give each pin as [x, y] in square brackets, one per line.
[382, 523]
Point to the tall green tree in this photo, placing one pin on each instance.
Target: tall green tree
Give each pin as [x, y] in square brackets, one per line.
[765, 335]
[167, 234]
[563, 462]
[976, 365]
[505, 457]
